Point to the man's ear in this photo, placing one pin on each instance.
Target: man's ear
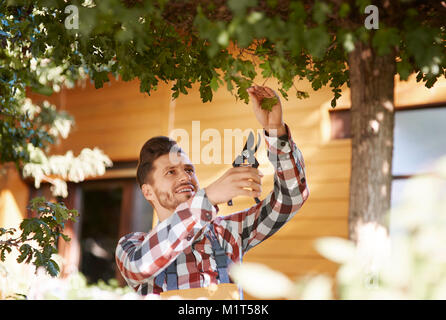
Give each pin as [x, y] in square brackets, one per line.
[148, 192]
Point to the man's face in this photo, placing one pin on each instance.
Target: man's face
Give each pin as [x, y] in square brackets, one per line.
[173, 181]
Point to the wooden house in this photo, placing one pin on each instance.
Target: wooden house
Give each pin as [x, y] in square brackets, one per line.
[118, 119]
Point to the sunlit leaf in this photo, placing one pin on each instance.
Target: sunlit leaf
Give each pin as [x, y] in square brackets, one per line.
[269, 103]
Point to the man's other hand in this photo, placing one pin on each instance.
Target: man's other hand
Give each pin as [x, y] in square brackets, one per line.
[271, 121]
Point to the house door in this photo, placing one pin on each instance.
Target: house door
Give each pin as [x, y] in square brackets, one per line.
[110, 209]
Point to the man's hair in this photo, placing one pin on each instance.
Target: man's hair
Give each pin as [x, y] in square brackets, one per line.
[151, 150]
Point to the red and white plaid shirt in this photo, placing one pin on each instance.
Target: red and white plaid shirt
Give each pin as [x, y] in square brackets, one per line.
[142, 256]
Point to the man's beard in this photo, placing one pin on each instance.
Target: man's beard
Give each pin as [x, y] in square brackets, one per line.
[168, 200]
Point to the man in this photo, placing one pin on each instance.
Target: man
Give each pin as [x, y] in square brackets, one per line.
[185, 249]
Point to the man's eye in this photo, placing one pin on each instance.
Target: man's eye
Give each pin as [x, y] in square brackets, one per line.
[170, 172]
[190, 170]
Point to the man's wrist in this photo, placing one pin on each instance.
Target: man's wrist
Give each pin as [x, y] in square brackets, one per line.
[276, 131]
[206, 194]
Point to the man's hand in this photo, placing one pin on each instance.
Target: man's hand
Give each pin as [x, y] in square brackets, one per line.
[233, 184]
[271, 121]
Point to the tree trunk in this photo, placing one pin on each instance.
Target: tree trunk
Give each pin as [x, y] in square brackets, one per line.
[372, 116]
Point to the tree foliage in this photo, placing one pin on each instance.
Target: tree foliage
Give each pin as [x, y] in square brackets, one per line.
[213, 43]
[187, 41]
[39, 235]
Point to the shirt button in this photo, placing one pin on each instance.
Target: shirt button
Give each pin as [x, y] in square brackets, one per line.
[189, 237]
[283, 143]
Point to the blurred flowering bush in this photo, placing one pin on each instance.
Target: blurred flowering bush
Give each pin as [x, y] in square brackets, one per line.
[75, 287]
[410, 264]
[26, 283]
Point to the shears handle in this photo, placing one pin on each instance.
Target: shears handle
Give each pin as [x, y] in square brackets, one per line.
[256, 199]
[254, 166]
[234, 165]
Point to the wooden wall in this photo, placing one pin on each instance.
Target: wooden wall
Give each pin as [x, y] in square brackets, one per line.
[116, 118]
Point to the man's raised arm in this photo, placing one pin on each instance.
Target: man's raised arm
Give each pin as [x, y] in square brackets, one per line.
[290, 186]
[288, 195]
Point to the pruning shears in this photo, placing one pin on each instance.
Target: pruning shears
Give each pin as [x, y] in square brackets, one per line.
[247, 157]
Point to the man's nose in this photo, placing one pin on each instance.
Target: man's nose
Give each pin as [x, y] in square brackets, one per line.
[184, 176]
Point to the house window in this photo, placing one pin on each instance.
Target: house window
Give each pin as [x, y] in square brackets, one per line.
[340, 124]
[419, 139]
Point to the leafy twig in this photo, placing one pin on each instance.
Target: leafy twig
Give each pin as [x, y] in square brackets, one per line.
[43, 229]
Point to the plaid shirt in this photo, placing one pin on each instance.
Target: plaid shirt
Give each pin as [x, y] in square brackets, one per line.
[142, 256]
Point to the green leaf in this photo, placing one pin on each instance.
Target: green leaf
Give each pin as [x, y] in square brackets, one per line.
[239, 7]
[228, 80]
[320, 12]
[419, 76]
[384, 39]
[317, 40]
[73, 213]
[302, 94]
[269, 103]
[9, 231]
[362, 4]
[242, 85]
[430, 82]
[26, 226]
[337, 95]
[44, 90]
[284, 93]
[404, 69]
[297, 11]
[52, 268]
[266, 69]
[271, 3]
[2, 252]
[205, 93]
[344, 10]
[25, 251]
[100, 78]
[214, 84]
[316, 84]
[39, 259]
[65, 237]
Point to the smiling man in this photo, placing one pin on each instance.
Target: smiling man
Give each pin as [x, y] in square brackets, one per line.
[192, 247]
